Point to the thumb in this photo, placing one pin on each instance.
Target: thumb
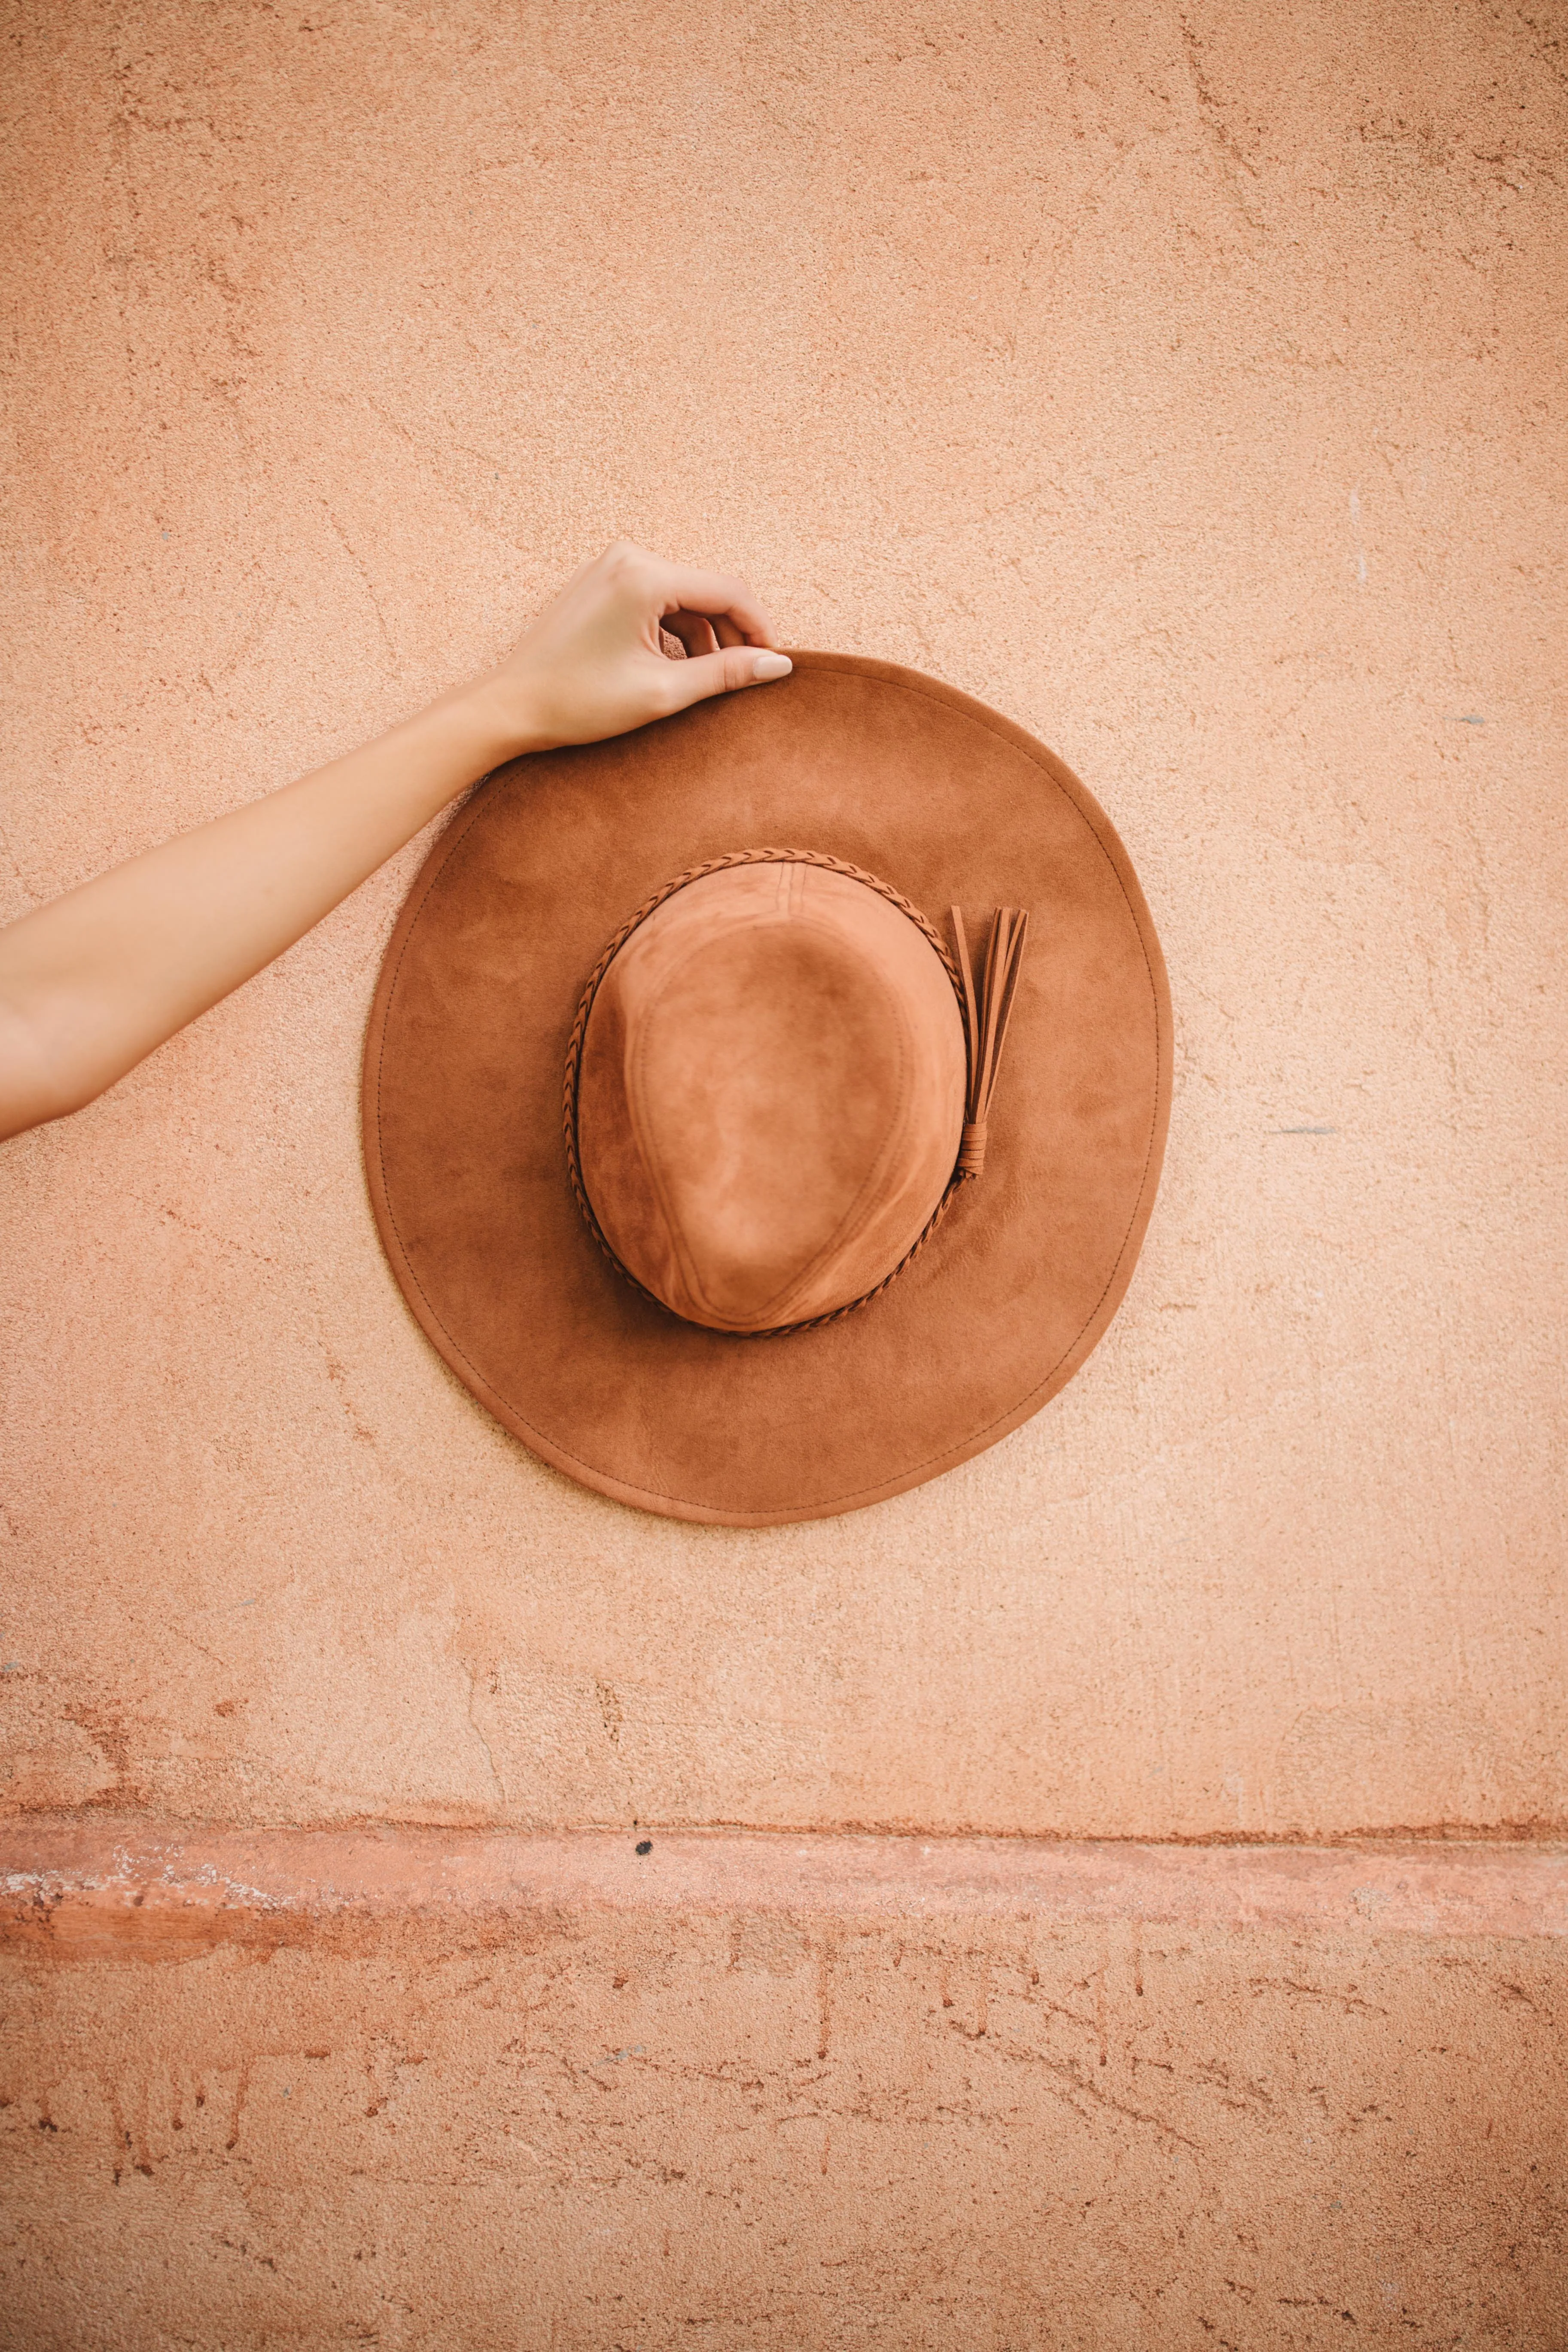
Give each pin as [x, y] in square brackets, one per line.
[694, 679]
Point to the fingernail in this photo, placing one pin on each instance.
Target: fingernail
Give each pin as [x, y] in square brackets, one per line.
[772, 666]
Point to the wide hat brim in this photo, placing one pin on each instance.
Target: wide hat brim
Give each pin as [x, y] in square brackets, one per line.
[950, 803]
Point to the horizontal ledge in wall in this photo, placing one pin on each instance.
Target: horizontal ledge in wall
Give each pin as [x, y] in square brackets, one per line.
[102, 1888]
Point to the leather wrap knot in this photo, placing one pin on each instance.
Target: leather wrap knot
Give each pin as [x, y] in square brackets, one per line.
[972, 1150]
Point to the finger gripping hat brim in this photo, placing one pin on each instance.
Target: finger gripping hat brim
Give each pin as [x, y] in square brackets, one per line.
[891, 771]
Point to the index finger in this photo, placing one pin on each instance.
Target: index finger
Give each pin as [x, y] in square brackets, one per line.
[715, 592]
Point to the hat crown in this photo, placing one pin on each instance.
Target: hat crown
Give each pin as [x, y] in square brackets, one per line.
[772, 1095]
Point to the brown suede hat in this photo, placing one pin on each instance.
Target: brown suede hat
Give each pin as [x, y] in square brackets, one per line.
[688, 1128]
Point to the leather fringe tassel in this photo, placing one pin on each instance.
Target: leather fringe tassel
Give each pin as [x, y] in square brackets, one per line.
[986, 1021]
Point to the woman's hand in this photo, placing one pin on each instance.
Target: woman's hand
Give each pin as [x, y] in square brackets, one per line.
[591, 665]
[90, 984]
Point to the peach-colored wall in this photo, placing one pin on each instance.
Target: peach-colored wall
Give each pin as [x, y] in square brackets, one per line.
[491, 2094]
[1182, 377]
[1178, 379]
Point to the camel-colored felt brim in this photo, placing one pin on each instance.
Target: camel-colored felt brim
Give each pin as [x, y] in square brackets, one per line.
[463, 1081]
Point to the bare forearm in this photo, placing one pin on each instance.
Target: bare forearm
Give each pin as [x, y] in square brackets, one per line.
[91, 985]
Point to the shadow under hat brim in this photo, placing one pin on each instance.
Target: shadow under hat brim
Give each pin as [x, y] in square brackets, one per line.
[950, 803]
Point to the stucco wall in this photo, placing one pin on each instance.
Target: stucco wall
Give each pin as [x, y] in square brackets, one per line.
[1184, 380]
[1177, 379]
[471, 2094]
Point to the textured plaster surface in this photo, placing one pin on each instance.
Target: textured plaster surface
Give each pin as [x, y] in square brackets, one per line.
[90, 1886]
[1175, 378]
[682, 2100]
[1183, 380]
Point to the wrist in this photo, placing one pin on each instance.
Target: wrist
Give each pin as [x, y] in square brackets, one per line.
[496, 716]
